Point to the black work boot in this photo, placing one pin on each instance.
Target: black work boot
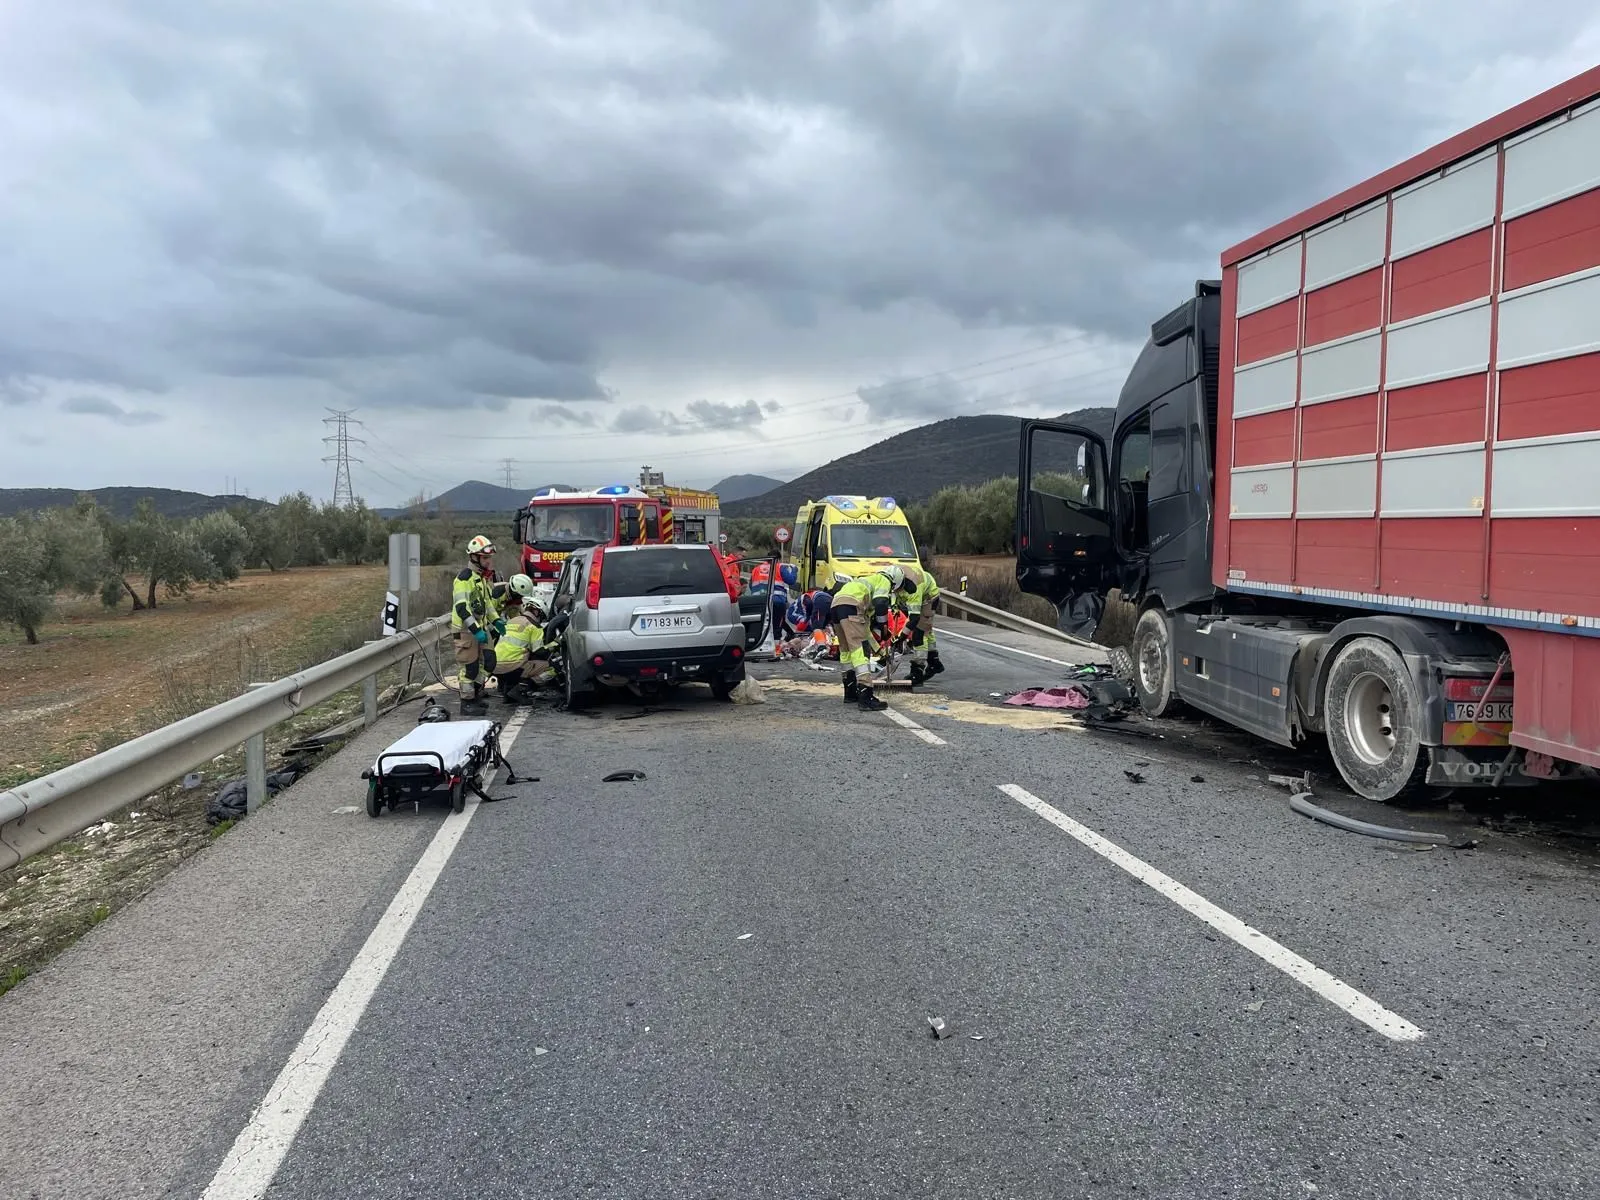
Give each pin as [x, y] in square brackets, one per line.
[935, 667]
[851, 687]
[919, 674]
[869, 701]
[473, 704]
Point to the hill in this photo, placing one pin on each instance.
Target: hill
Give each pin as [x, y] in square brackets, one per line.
[912, 466]
[743, 487]
[473, 496]
[120, 501]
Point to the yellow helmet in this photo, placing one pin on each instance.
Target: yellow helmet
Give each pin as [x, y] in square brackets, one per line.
[479, 545]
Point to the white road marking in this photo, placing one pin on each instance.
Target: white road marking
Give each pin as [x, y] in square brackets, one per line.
[1363, 1008]
[260, 1148]
[906, 722]
[967, 637]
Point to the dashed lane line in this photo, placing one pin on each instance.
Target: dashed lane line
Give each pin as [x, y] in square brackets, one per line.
[906, 722]
[1335, 991]
[261, 1146]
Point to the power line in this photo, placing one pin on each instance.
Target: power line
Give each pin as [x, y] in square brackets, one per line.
[343, 491]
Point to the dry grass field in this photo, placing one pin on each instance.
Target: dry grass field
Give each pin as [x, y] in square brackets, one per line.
[99, 678]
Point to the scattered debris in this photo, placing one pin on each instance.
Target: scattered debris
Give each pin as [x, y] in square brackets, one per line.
[977, 1037]
[1298, 783]
[936, 1027]
[939, 707]
[1254, 1006]
[346, 808]
[645, 712]
[629, 776]
[538, 1050]
[748, 692]
[1197, 779]
[232, 800]
[745, 936]
[1301, 803]
[1133, 776]
[1141, 762]
[1093, 691]
[192, 780]
[1540, 1042]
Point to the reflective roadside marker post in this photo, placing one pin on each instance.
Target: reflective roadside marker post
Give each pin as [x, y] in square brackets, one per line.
[405, 570]
[405, 577]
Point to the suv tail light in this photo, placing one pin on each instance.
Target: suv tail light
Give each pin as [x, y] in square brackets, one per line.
[592, 597]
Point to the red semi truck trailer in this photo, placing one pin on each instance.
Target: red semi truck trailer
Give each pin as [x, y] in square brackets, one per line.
[1353, 487]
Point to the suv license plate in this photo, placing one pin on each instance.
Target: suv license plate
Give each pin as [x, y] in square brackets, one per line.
[1495, 712]
[675, 623]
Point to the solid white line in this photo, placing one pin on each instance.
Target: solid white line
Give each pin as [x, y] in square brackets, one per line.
[260, 1148]
[941, 631]
[906, 722]
[1335, 991]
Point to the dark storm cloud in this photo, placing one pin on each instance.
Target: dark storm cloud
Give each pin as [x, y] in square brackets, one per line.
[916, 398]
[560, 414]
[457, 210]
[99, 406]
[702, 417]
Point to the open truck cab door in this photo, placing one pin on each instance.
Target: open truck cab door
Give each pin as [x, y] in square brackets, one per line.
[1066, 551]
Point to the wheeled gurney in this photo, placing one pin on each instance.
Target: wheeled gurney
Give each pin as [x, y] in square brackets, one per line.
[434, 756]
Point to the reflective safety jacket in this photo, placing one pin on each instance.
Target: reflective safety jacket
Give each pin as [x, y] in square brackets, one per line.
[520, 640]
[868, 593]
[472, 600]
[924, 594]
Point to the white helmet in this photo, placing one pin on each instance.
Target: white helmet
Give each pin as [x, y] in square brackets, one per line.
[895, 574]
[521, 585]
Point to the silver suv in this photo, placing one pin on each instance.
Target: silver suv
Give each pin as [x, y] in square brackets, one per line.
[645, 618]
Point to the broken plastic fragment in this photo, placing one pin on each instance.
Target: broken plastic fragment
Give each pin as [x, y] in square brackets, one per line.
[745, 936]
[1254, 1006]
[936, 1026]
[627, 776]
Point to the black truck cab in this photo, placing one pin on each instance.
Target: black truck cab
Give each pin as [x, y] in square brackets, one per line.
[1135, 515]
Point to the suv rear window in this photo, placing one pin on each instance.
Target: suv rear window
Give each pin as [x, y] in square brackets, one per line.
[691, 570]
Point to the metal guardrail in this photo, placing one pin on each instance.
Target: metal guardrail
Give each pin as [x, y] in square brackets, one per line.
[959, 605]
[37, 815]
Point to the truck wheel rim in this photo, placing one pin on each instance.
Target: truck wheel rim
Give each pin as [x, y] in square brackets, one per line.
[1369, 718]
[1153, 665]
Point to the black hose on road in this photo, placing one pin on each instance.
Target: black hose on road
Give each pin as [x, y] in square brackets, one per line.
[1301, 803]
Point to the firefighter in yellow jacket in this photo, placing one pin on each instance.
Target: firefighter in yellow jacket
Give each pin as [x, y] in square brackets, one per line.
[921, 589]
[521, 662]
[475, 622]
[861, 606]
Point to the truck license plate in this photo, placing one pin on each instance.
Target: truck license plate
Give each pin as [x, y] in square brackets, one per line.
[1495, 712]
[673, 623]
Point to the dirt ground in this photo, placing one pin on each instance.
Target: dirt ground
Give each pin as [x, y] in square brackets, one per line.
[98, 678]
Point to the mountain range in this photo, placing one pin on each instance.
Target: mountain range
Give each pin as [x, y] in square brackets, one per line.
[120, 501]
[912, 466]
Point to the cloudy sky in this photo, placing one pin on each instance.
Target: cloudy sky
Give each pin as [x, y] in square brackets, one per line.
[715, 235]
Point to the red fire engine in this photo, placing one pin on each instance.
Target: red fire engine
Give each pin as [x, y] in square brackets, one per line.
[558, 520]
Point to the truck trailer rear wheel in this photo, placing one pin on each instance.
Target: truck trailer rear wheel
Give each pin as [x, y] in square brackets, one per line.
[1154, 676]
[1374, 717]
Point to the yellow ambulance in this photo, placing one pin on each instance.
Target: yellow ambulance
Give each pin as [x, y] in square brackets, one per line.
[839, 537]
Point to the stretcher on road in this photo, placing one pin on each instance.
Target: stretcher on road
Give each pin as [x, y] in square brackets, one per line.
[435, 757]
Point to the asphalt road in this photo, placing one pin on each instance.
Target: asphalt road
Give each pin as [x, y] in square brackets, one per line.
[717, 981]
